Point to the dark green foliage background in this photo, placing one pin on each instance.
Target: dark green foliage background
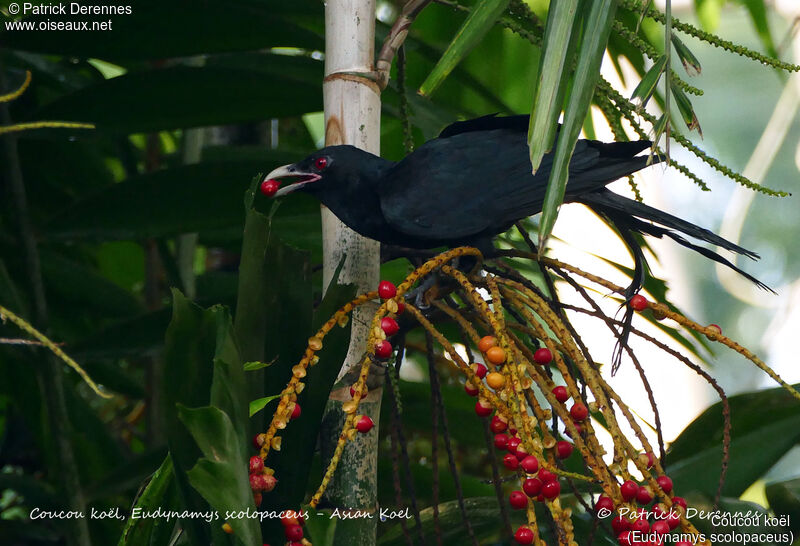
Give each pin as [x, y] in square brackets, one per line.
[97, 204]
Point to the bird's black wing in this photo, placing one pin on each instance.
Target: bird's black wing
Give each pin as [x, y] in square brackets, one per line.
[476, 179]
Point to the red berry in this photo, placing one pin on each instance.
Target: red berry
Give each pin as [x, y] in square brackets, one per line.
[258, 440]
[532, 486]
[258, 482]
[257, 497]
[513, 444]
[483, 408]
[564, 449]
[256, 465]
[471, 389]
[501, 441]
[386, 290]
[270, 187]
[651, 459]
[352, 392]
[510, 461]
[518, 500]
[673, 520]
[383, 349]
[620, 524]
[578, 428]
[664, 483]
[625, 538]
[716, 328]
[551, 490]
[680, 501]
[293, 532]
[479, 369]
[579, 411]
[638, 302]
[641, 525]
[524, 535]
[498, 425]
[660, 527]
[644, 495]
[520, 452]
[546, 476]
[290, 518]
[529, 464]
[389, 326]
[296, 411]
[400, 307]
[364, 424]
[561, 393]
[269, 482]
[543, 356]
[604, 503]
[628, 490]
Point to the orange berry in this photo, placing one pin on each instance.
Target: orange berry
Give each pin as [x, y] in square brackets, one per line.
[495, 380]
[496, 355]
[486, 343]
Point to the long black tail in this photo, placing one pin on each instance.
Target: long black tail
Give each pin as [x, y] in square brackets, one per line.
[631, 214]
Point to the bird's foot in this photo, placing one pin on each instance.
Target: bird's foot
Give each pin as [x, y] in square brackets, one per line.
[420, 296]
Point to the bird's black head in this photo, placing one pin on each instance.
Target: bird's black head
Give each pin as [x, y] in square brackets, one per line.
[331, 170]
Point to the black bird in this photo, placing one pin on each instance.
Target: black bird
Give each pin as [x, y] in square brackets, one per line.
[474, 181]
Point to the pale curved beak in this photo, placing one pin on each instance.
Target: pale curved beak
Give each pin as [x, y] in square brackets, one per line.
[287, 171]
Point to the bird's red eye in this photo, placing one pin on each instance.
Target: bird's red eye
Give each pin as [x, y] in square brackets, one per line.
[321, 163]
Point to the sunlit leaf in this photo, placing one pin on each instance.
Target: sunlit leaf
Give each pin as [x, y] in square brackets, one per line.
[647, 85]
[589, 56]
[478, 23]
[562, 23]
[690, 63]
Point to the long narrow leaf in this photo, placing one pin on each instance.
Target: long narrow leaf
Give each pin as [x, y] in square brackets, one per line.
[552, 79]
[690, 63]
[647, 86]
[480, 20]
[587, 70]
[686, 109]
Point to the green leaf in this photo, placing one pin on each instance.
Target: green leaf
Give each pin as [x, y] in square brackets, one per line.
[182, 28]
[225, 462]
[256, 365]
[483, 514]
[563, 20]
[293, 462]
[685, 108]
[142, 531]
[590, 54]
[480, 20]
[200, 197]
[189, 352]
[708, 12]
[140, 335]
[758, 14]
[128, 475]
[765, 425]
[260, 403]
[690, 63]
[647, 85]
[784, 501]
[181, 96]
[78, 284]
